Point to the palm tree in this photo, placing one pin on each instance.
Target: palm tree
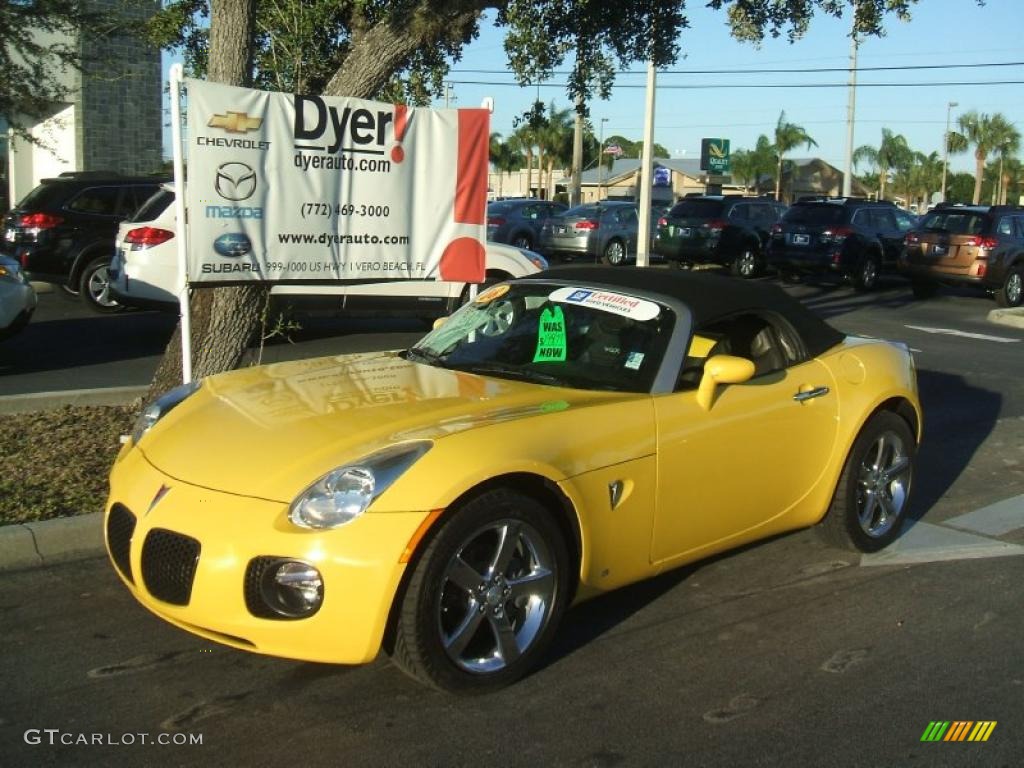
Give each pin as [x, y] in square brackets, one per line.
[751, 166]
[1005, 143]
[555, 140]
[525, 138]
[505, 157]
[986, 133]
[788, 136]
[892, 153]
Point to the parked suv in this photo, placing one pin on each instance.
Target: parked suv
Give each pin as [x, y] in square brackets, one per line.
[968, 245]
[63, 231]
[851, 238]
[730, 230]
[518, 222]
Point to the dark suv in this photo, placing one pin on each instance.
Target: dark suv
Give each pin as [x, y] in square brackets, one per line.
[730, 230]
[63, 231]
[851, 238]
[968, 245]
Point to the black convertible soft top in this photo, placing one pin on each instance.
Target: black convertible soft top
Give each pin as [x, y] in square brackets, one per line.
[709, 296]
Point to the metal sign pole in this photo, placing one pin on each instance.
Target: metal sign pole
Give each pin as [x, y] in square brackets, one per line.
[182, 224]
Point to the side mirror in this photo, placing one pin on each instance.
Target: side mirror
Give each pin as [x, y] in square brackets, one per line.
[722, 369]
[439, 322]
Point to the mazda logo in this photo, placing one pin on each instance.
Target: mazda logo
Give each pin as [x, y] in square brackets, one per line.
[235, 181]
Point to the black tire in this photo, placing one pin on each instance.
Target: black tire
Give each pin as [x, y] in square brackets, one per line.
[922, 289]
[614, 253]
[94, 286]
[457, 603]
[867, 275]
[870, 503]
[747, 263]
[1011, 292]
[523, 240]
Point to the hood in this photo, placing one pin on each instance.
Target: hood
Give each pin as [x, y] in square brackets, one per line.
[270, 431]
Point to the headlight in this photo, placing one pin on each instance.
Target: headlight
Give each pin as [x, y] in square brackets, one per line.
[539, 261]
[160, 408]
[343, 494]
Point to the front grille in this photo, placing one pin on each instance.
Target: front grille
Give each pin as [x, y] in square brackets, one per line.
[169, 563]
[253, 579]
[120, 528]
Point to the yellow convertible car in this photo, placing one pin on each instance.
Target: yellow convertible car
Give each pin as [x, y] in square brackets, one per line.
[563, 435]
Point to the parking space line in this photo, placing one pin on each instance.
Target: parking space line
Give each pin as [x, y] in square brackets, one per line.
[963, 334]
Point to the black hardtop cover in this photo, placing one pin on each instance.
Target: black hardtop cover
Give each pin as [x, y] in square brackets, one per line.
[708, 295]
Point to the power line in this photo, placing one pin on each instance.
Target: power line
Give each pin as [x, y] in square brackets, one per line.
[800, 70]
[722, 86]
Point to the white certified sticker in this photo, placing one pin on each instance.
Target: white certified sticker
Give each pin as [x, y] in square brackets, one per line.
[608, 301]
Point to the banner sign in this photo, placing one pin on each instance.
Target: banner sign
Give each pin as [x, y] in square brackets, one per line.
[288, 188]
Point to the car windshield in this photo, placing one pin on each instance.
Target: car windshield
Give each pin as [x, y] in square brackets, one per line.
[814, 215]
[954, 222]
[697, 209]
[576, 337]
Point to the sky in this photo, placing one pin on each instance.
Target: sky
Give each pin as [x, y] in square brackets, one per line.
[941, 32]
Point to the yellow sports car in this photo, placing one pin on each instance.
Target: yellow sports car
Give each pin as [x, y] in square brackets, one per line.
[563, 435]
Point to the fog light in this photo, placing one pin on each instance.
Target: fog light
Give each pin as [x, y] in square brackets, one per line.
[293, 589]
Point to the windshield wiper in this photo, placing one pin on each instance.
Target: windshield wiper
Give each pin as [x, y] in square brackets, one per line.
[513, 373]
[424, 355]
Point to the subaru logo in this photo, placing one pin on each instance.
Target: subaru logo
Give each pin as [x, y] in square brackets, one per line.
[235, 181]
[233, 245]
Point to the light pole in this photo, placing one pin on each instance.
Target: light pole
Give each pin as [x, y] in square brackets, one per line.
[945, 148]
[600, 158]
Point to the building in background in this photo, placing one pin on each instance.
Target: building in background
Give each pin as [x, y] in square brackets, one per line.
[112, 121]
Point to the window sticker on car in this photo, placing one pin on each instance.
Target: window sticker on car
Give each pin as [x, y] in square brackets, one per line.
[634, 360]
[491, 294]
[550, 336]
[607, 301]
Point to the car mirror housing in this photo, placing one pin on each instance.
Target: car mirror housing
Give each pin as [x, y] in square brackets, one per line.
[722, 369]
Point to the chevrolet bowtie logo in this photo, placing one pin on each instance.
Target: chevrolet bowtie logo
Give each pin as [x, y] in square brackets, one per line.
[235, 122]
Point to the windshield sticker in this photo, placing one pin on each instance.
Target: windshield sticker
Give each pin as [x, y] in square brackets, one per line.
[495, 292]
[634, 360]
[550, 336]
[607, 301]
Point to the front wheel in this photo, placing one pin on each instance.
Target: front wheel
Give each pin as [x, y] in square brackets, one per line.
[614, 253]
[486, 597]
[523, 241]
[867, 276]
[871, 499]
[94, 286]
[1011, 293]
[746, 264]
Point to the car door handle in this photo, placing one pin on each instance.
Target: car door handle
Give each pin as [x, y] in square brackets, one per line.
[810, 394]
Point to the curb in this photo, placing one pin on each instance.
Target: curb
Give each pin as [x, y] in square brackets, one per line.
[45, 542]
[41, 401]
[1012, 317]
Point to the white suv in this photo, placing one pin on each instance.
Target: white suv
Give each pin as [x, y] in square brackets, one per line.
[144, 272]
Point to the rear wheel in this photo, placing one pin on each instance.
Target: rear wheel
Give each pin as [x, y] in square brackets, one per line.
[522, 241]
[1011, 293]
[867, 276]
[94, 286]
[923, 289]
[614, 253]
[746, 264]
[872, 496]
[486, 597]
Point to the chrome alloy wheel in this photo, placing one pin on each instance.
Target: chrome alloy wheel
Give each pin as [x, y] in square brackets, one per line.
[99, 288]
[501, 316]
[883, 485]
[615, 253]
[1013, 289]
[746, 264]
[496, 596]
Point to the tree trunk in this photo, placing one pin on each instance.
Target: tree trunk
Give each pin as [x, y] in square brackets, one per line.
[224, 320]
[979, 171]
[883, 173]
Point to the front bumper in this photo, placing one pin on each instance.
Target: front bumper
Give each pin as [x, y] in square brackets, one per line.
[202, 543]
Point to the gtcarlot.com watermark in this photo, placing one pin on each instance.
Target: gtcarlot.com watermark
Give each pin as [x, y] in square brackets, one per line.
[54, 737]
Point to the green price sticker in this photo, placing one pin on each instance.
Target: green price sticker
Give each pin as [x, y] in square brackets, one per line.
[550, 336]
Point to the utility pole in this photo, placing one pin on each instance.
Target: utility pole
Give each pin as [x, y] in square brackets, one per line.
[643, 235]
[577, 153]
[851, 106]
[600, 159]
[448, 96]
[945, 148]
